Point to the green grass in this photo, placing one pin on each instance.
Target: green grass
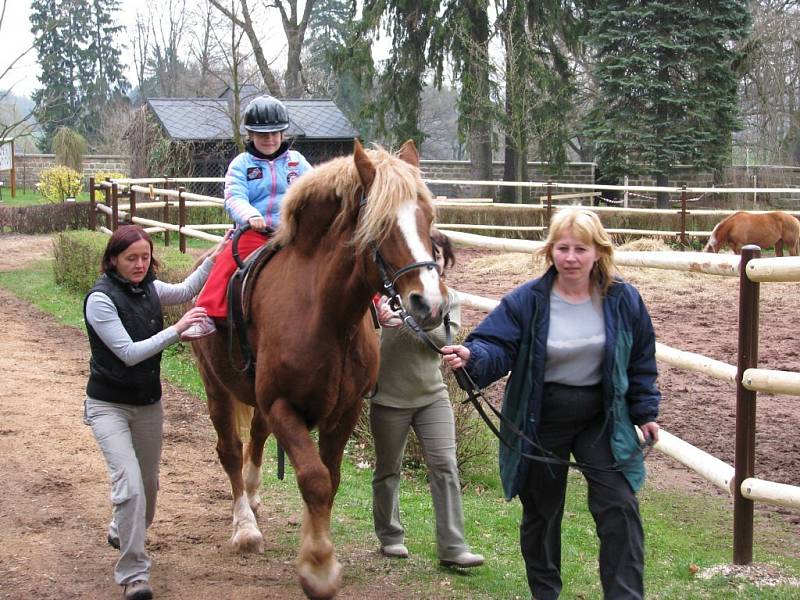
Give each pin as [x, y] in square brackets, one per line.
[681, 529]
[31, 197]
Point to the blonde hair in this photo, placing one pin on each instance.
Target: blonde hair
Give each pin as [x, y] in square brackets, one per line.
[584, 225]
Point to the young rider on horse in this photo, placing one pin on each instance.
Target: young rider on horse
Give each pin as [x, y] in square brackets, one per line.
[255, 184]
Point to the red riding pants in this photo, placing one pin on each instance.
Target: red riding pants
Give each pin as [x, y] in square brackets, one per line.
[214, 295]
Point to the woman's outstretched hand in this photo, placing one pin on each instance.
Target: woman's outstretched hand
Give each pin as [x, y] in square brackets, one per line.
[456, 356]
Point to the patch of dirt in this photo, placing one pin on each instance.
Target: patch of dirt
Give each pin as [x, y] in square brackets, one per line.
[54, 505]
[54, 494]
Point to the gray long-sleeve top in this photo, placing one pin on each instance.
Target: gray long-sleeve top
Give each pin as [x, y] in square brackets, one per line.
[102, 315]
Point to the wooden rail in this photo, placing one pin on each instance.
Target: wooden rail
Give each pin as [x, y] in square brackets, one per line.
[738, 480]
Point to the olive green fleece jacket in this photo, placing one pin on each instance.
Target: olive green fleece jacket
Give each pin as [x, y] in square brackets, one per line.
[410, 374]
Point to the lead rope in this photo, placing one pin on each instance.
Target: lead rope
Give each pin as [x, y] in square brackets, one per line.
[475, 396]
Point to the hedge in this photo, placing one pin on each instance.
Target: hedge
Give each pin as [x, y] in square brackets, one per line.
[77, 264]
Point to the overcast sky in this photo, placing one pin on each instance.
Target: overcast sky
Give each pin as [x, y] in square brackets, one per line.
[16, 37]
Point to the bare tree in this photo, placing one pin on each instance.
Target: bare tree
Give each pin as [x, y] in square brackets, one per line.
[245, 22]
[15, 121]
[294, 27]
[770, 85]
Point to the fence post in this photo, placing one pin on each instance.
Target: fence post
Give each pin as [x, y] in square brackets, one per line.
[92, 206]
[132, 202]
[549, 211]
[744, 459]
[107, 198]
[114, 208]
[181, 219]
[165, 218]
[625, 193]
[684, 243]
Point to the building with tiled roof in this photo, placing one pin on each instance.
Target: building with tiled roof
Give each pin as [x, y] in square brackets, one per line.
[317, 128]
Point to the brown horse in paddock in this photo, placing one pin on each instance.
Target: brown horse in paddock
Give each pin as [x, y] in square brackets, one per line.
[762, 229]
[315, 345]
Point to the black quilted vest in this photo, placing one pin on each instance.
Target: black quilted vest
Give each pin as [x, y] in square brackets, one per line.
[139, 309]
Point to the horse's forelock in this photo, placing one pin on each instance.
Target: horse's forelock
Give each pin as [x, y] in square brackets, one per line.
[396, 182]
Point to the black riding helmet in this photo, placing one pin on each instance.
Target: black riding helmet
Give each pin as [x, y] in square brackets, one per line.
[266, 114]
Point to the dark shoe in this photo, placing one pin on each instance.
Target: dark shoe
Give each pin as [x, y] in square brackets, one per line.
[465, 560]
[112, 541]
[395, 551]
[137, 590]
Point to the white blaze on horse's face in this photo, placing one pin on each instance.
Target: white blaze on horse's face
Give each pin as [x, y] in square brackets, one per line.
[407, 222]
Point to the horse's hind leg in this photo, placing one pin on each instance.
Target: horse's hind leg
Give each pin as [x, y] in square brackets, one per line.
[246, 535]
[254, 454]
[317, 568]
[779, 248]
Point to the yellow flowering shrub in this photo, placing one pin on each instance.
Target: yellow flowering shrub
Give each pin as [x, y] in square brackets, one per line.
[56, 184]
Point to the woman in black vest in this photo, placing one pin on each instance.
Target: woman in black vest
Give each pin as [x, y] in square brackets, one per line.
[123, 397]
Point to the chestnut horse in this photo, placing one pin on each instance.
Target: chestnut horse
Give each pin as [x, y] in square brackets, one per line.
[344, 226]
[762, 229]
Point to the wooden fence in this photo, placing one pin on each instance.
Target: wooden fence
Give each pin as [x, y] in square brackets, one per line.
[740, 481]
[750, 268]
[549, 204]
[171, 196]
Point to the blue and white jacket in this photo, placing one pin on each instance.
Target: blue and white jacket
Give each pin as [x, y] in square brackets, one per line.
[514, 338]
[255, 186]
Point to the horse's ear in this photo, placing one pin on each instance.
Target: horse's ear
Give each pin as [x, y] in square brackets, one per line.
[408, 153]
[364, 166]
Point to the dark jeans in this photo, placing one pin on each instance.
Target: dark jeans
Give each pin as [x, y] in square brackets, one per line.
[572, 422]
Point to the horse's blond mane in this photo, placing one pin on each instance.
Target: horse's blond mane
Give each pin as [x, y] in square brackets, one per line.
[395, 183]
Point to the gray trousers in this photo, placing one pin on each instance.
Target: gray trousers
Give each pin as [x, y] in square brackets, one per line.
[130, 440]
[435, 428]
[572, 421]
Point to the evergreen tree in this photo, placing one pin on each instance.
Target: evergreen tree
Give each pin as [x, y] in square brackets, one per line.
[410, 25]
[667, 84]
[81, 70]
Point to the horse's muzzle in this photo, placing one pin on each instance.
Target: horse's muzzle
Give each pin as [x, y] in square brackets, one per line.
[428, 316]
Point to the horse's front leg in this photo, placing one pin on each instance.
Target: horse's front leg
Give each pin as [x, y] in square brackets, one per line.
[246, 535]
[332, 442]
[779, 248]
[317, 568]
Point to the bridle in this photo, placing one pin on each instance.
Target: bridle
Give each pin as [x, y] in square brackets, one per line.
[388, 274]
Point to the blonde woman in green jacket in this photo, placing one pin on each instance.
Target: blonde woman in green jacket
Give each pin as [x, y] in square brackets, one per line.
[412, 393]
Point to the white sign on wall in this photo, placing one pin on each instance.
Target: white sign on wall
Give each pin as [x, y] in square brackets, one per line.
[6, 158]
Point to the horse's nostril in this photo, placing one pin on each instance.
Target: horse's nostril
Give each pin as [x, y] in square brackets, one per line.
[419, 306]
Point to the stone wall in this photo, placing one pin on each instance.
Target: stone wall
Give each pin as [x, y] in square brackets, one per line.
[29, 167]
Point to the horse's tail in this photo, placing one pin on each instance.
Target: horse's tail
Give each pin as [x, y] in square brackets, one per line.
[243, 417]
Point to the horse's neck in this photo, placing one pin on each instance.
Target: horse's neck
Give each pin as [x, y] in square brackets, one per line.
[340, 286]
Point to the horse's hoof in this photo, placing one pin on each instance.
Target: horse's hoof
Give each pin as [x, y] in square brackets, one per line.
[248, 541]
[320, 583]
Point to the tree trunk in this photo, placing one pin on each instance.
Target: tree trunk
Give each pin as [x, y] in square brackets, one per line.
[662, 198]
[480, 163]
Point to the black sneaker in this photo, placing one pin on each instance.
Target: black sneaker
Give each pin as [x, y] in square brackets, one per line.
[137, 590]
[112, 541]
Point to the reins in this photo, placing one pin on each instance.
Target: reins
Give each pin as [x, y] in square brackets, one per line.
[475, 396]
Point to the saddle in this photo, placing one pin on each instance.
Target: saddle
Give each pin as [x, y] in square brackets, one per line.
[240, 288]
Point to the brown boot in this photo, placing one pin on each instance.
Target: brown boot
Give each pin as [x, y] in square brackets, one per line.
[137, 590]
